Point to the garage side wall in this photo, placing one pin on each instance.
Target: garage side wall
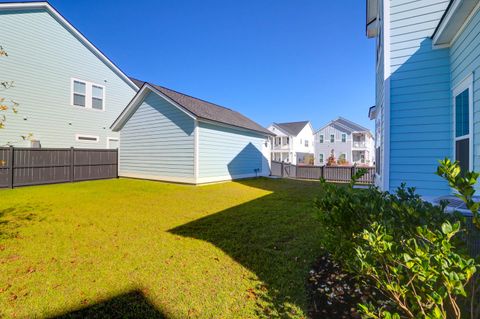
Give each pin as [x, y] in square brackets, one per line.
[157, 142]
[227, 153]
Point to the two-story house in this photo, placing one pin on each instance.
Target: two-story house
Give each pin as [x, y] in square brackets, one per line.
[292, 143]
[346, 141]
[68, 92]
[427, 64]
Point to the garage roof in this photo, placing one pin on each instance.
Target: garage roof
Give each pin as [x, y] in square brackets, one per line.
[200, 109]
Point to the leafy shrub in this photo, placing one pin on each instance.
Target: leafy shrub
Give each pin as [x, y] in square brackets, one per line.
[405, 245]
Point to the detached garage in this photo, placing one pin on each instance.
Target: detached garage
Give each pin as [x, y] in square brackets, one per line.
[166, 135]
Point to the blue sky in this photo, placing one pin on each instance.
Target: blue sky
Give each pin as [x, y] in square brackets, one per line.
[272, 60]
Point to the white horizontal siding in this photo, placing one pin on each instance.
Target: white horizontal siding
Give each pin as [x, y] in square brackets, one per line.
[157, 142]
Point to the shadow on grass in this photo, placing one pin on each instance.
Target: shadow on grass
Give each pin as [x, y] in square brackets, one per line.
[132, 304]
[13, 218]
[276, 237]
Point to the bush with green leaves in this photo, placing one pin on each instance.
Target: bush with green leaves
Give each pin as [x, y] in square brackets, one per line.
[406, 246]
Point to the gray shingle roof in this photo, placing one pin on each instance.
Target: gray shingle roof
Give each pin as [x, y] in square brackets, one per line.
[206, 110]
[345, 125]
[293, 128]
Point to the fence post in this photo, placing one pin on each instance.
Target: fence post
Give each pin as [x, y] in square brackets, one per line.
[118, 161]
[322, 172]
[282, 169]
[352, 171]
[72, 164]
[11, 158]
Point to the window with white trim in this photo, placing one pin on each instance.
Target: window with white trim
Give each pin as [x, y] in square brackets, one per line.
[79, 93]
[462, 124]
[88, 95]
[320, 138]
[344, 137]
[320, 158]
[87, 138]
[332, 138]
[306, 143]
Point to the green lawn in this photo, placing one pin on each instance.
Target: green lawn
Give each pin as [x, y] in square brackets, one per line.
[132, 248]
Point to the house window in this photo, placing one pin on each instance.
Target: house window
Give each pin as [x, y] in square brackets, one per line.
[463, 124]
[306, 143]
[97, 97]
[320, 158]
[332, 138]
[79, 93]
[344, 138]
[321, 138]
[86, 138]
[88, 95]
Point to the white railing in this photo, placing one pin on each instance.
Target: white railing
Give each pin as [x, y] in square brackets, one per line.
[359, 144]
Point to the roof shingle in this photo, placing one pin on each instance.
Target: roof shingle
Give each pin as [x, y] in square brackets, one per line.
[207, 110]
[293, 128]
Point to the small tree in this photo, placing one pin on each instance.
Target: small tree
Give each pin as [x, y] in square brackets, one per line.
[8, 105]
[331, 161]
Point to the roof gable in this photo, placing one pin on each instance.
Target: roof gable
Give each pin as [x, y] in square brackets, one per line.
[292, 128]
[195, 107]
[342, 124]
[20, 6]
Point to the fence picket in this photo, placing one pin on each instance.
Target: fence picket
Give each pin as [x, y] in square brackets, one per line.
[35, 166]
[329, 173]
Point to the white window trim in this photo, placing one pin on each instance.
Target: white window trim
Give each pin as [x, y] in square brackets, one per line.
[88, 95]
[343, 134]
[111, 139]
[465, 84]
[330, 139]
[322, 139]
[323, 158]
[77, 138]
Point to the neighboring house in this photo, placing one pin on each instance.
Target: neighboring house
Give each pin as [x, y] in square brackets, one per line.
[68, 91]
[348, 142]
[427, 77]
[293, 142]
[170, 136]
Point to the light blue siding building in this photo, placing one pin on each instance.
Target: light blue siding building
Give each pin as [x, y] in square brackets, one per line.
[425, 110]
[166, 135]
[69, 93]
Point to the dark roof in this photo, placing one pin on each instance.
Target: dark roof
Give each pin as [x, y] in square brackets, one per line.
[293, 128]
[207, 110]
[345, 125]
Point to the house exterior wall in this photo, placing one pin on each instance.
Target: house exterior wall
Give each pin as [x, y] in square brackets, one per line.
[227, 153]
[338, 146]
[415, 120]
[158, 142]
[43, 57]
[465, 62]
[296, 146]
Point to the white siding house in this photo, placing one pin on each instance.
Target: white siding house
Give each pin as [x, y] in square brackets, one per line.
[169, 136]
[68, 92]
[348, 142]
[293, 142]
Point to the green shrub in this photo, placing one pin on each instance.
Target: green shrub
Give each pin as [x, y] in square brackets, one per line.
[406, 246]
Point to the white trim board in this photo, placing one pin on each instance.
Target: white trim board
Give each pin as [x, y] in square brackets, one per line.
[465, 84]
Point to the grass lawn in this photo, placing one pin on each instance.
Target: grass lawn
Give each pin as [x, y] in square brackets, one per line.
[131, 248]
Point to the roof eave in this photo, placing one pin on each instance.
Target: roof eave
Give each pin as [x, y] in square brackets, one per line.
[457, 14]
[61, 19]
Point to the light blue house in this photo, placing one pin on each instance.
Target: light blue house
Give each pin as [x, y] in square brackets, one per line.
[166, 135]
[69, 93]
[428, 59]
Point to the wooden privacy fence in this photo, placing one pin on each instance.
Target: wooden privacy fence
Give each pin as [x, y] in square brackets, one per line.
[35, 166]
[329, 173]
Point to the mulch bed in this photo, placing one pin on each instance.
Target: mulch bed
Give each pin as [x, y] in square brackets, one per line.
[336, 294]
